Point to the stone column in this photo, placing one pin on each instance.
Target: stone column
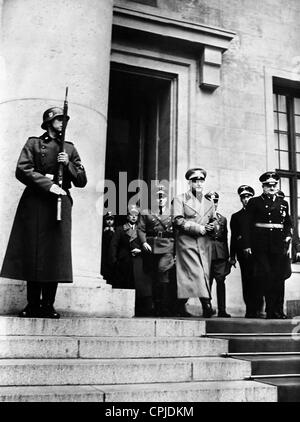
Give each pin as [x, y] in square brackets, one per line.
[45, 47]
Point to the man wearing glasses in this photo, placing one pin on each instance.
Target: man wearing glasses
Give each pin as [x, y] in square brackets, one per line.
[267, 234]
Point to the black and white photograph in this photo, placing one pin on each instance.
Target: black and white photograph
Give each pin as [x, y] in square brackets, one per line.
[150, 204]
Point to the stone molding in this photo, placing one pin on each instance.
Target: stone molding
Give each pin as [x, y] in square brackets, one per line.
[210, 42]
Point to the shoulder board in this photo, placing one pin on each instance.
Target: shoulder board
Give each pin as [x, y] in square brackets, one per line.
[34, 137]
[69, 142]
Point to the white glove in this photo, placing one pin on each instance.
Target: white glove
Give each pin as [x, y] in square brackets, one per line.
[57, 190]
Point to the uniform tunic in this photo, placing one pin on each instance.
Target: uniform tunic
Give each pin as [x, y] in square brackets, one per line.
[157, 231]
[39, 247]
[193, 246]
[238, 222]
[128, 269]
[268, 244]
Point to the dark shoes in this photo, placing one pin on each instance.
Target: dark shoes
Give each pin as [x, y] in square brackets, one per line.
[274, 315]
[208, 310]
[223, 314]
[31, 311]
[49, 312]
[39, 312]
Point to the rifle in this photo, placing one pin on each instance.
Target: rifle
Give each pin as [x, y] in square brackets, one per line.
[62, 149]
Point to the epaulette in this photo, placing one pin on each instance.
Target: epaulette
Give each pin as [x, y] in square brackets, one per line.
[69, 142]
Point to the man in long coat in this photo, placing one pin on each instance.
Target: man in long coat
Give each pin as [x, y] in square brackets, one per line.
[39, 248]
[194, 216]
[267, 236]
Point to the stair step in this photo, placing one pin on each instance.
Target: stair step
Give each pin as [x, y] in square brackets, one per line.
[104, 327]
[288, 388]
[264, 344]
[27, 347]
[243, 325]
[16, 372]
[270, 365]
[206, 391]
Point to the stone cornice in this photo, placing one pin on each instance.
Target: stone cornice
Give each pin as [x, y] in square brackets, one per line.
[212, 42]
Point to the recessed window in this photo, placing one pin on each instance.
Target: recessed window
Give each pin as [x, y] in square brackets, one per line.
[286, 110]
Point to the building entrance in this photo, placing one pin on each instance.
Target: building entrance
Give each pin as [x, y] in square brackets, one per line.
[139, 130]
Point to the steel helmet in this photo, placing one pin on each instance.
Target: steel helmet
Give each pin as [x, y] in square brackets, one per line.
[50, 114]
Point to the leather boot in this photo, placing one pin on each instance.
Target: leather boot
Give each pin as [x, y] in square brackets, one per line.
[221, 298]
[208, 311]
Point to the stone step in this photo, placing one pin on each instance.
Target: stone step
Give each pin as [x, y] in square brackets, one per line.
[15, 372]
[205, 391]
[242, 325]
[110, 327]
[109, 347]
[264, 344]
[288, 388]
[270, 365]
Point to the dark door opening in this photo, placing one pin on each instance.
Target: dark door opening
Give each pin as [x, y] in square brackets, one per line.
[139, 130]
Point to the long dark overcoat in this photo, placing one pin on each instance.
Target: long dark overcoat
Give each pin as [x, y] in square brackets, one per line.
[128, 269]
[39, 247]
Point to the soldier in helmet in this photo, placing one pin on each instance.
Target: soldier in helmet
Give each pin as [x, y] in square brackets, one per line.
[220, 266]
[267, 236]
[39, 248]
[156, 235]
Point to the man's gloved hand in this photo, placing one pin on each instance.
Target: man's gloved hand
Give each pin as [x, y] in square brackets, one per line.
[57, 190]
[63, 158]
[147, 247]
[232, 261]
[247, 251]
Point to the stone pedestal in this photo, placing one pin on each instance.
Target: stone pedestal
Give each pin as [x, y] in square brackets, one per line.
[46, 47]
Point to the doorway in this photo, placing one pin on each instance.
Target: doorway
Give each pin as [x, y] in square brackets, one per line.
[139, 132]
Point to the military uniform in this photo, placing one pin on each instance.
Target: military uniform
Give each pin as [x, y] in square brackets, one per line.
[39, 247]
[238, 222]
[107, 235]
[220, 266]
[269, 225]
[192, 213]
[156, 230]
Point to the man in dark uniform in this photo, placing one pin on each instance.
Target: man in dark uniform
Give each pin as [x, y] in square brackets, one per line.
[39, 248]
[125, 254]
[237, 223]
[286, 269]
[220, 266]
[157, 238]
[267, 235]
[107, 234]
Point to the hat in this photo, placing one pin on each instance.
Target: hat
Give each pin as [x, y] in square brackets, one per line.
[269, 177]
[133, 210]
[212, 196]
[280, 194]
[51, 114]
[109, 215]
[161, 190]
[196, 173]
[245, 190]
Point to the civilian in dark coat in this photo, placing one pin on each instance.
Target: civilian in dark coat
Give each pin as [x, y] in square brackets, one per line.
[39, 248]
[125, 257]
[220, 266]
[267, 235]
[238, 222]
